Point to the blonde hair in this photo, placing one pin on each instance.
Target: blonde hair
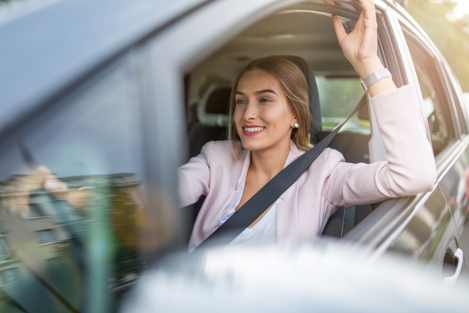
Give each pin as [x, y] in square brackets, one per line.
[295, 86]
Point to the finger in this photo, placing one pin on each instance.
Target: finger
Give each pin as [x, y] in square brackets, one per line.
[369, 12]
[43, 170]
[370, 38]
[55, 186]
[368, 7]
[40, 174]
[359, 24]
[339, 28]
[78, 198]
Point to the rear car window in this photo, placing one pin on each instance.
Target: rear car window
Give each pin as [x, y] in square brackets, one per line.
[338, 97]
[436, 104]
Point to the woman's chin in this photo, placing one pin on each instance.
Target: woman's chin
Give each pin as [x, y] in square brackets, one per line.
[252, 145]
[247, 144]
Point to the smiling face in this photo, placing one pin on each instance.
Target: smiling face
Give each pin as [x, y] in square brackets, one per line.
[262, 115]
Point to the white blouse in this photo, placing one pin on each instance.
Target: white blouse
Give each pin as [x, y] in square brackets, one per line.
[264, 231]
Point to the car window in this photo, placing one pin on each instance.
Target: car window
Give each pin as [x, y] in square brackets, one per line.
[298, 31]
[76, 244]
[336, 106]
[435, 102]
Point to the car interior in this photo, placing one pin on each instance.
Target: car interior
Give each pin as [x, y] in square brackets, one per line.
[307, 38]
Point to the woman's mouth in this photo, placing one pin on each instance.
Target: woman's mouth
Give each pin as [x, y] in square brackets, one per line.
[251, 131]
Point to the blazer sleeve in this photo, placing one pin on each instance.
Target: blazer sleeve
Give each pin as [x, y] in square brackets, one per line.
[409, 165]
[194, 178]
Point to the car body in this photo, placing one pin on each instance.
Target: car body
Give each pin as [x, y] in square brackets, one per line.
[112, 95]
[302, 278]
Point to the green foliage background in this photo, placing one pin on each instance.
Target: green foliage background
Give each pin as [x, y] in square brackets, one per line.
[451, 37]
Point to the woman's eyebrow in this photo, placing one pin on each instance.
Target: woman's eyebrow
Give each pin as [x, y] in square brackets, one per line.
[266, 90]
[257, 92]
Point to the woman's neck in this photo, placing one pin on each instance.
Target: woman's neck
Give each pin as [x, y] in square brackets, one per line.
[270, 162]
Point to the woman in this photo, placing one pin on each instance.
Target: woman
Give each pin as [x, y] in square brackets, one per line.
[269, 107]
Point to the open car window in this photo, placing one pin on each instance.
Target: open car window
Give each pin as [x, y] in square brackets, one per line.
[302, 31]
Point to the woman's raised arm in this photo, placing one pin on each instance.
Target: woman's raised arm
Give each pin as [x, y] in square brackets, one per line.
[409, 165]
[360, 47]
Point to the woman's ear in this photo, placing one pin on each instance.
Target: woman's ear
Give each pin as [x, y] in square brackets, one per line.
[294, 120]
[295, 124]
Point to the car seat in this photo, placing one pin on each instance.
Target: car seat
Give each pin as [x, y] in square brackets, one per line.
[354, 147]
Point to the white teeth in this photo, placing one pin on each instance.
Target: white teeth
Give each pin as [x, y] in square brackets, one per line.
[253, 129]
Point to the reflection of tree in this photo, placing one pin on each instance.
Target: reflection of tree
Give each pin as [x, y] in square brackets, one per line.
[451, 37]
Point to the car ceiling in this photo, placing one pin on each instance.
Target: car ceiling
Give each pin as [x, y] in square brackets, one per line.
[295, 31]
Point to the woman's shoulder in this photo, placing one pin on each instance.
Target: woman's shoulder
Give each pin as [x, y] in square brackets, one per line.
[333, 155]
[225, 151]
[327, 161]
[327, 155]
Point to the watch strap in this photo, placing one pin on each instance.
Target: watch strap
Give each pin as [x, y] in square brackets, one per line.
[376, 76]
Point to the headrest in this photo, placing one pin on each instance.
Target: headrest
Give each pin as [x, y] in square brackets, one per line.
[213, 109]
[314, 104]
[218, 101]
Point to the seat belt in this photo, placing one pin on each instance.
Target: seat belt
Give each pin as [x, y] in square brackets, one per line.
[270, 192]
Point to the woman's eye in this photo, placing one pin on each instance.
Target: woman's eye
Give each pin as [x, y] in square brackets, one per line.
[264, 99]
[240, 101]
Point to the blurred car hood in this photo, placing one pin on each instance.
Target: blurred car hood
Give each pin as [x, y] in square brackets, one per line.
[328, 277]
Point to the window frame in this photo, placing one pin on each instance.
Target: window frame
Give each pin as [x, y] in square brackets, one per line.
[201, 45]
[392, 216]
[384, 219]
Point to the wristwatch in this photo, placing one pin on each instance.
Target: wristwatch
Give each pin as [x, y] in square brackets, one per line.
[376, 76]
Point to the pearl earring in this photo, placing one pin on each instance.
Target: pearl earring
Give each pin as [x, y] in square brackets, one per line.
[296, 125]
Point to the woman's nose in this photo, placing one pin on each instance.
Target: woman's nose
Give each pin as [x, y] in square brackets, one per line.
[251, 111]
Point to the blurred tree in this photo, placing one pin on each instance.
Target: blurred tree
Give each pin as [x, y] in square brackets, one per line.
[450, 35]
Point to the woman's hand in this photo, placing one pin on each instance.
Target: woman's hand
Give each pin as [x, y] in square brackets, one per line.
[360, 46]
[41, 177]
[76, 197]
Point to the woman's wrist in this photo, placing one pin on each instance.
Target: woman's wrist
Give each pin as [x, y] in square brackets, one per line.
[368, 66]
[384, 86]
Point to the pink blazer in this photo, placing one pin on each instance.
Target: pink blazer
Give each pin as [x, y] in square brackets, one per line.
[330, 182]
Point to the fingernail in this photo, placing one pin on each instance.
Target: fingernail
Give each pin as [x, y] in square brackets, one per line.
[51, 184]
